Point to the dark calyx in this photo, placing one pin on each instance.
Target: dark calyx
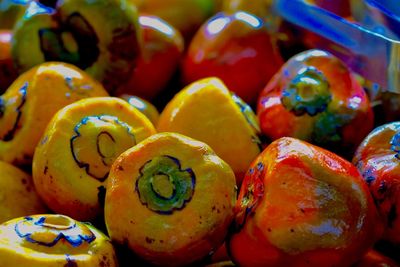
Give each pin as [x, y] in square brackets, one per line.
[54, 48]
[308, 92]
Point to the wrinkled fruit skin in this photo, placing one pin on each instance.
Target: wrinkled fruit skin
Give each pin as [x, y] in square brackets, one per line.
[314, 97]
[236, 48]
[161, 50]
[300, 205]
[7, 71]
[377, 159]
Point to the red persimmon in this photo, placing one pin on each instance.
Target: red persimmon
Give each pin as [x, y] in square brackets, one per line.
[161, 50]
[300, 205]
[316, 98]
[377, 158]
[236, 48]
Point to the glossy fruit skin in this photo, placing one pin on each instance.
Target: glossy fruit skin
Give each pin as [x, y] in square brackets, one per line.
[17, 193]
[162, 231]
[207, 111]
[332, 110]
[377, 159]
[86, 136]
[54, 240]
[98, 36]
[148, 109]
[7, 71]
[375, 259]
[186, 16]
[236, 48]
[161, 50]
[300, 205]
[260, 8]
[25, 109]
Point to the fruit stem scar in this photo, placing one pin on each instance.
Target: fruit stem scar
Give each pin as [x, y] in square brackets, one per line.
[308, 92]
[98, 158]
[163, 186]
[49, 230]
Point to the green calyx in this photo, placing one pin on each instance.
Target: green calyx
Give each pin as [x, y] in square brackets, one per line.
[163, 186]
[308, 92]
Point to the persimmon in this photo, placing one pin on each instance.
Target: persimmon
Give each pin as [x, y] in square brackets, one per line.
[300, 205]
[316, 98]
[377, 159]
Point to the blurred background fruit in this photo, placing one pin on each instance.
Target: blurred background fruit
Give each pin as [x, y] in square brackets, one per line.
[143, 106]
[98, 36]
[11, 11]
[160, 53]
[260, 8]
[184, 15]
[238, 49]
[7, 71]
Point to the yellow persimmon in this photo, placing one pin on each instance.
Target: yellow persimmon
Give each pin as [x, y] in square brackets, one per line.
[207, 111]
[53, 241]
[32, 100]
[170, 200]
[72, 161]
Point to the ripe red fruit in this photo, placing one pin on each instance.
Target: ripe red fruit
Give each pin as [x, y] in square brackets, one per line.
[315, 97]
[161, 50]
[377, 158]
[300, 205]
[236, 48]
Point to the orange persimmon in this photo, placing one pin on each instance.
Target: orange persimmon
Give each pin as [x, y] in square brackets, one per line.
[301, 205]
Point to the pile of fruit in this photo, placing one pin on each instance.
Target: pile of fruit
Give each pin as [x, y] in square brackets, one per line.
[91, 174]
